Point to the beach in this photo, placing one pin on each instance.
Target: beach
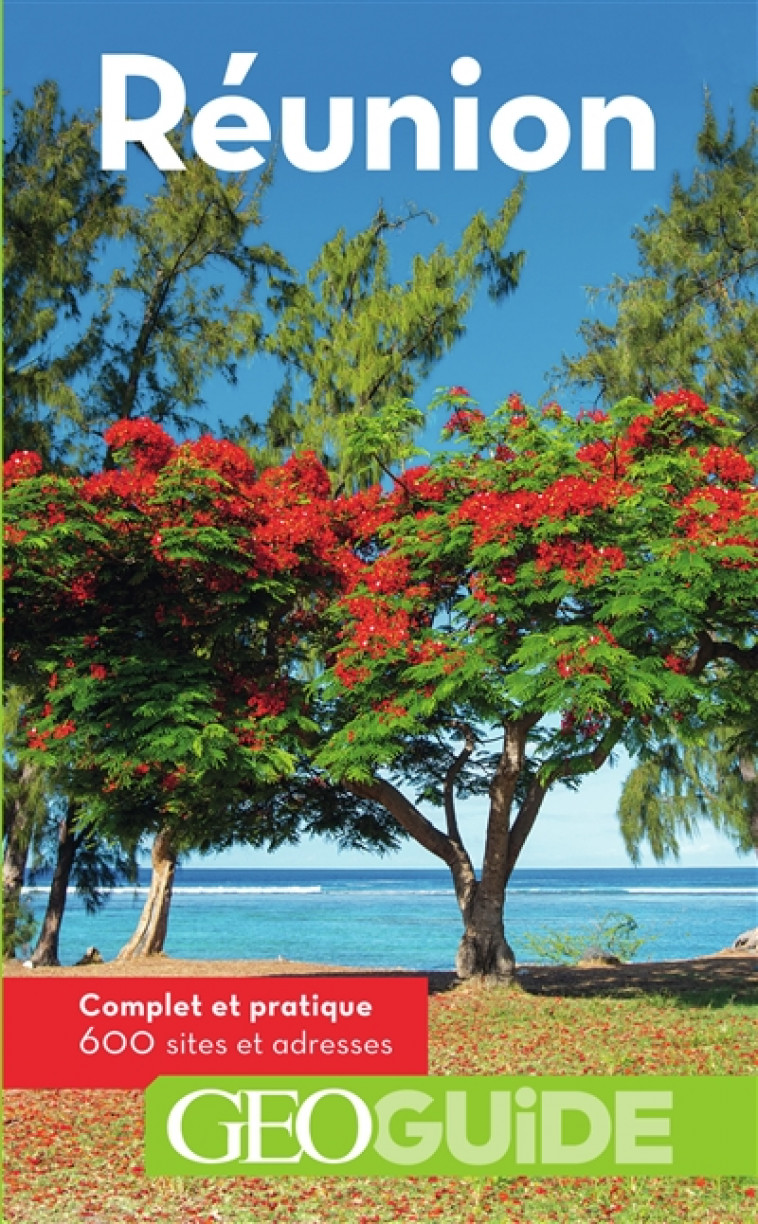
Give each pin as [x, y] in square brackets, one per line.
[731, 972]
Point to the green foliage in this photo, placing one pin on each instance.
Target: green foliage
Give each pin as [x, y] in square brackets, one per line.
[614, 934]
[20, 927]
[59, 209]
[387, 432]
[689, 317]
[183, 305]
[679, 782]
[178, 308]
[355, 342]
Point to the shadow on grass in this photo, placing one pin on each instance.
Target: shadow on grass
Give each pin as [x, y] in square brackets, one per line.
[709, 981]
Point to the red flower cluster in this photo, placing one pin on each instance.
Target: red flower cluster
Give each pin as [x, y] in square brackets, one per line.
[389, 575]
[552, 411]
[638, 436]
[146, 444]
[230, 461]
[596, 415]
[378, 627]
[582, 563]
[389, 710]
[21, 465]
[349, 677]
[709, 512]
[118, 485]
[498, 515]
[417, 482]
[268, 703]
[83, 588]
[64, 729]
[728, 465]
[588, 726]
[463, 420]
[689, 401]
[676, 663]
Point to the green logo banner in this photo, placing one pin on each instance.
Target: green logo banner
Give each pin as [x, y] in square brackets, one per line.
[452, 1126]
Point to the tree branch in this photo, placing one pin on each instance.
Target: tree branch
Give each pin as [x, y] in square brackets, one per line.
[469, 744]
[524, 822]
[708, 650]
[407, 815]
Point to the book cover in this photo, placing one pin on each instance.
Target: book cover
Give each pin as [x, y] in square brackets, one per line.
[380, 470]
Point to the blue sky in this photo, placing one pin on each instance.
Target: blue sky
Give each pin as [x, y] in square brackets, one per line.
[575, 225]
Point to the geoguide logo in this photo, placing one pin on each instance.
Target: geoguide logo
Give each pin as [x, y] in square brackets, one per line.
[475, 1126]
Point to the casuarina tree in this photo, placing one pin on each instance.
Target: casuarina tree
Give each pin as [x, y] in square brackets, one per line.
[354, 339]
[689, 315]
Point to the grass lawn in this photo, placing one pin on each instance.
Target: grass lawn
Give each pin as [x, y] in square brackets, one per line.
[74, 1157]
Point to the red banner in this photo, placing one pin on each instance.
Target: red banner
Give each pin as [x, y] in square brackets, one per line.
[99, 1032]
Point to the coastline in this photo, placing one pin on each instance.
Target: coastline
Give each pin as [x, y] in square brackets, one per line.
[735, 973]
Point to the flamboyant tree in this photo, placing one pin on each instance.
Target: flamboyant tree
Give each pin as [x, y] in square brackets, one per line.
[161, 611]
[516, 612]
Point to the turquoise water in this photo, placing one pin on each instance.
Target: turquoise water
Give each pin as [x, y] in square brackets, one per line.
[408, 918]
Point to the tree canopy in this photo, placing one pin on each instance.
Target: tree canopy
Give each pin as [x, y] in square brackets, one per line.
[493, 624]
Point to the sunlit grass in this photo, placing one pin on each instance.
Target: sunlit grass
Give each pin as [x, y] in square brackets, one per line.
[75, 1157]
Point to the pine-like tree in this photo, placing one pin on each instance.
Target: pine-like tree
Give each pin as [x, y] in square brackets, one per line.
[59, 211]
[354, 340]
[689, 316]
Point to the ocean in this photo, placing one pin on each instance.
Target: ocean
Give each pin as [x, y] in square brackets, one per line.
[409, 918]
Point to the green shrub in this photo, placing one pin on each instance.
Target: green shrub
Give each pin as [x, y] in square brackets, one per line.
[615, 933]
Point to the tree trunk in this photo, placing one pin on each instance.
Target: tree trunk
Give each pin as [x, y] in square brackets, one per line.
[150, 934]
[484, 950]
[18, 834]
[46, 951]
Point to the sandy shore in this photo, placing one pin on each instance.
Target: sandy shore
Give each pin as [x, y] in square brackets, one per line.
[733, 972]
